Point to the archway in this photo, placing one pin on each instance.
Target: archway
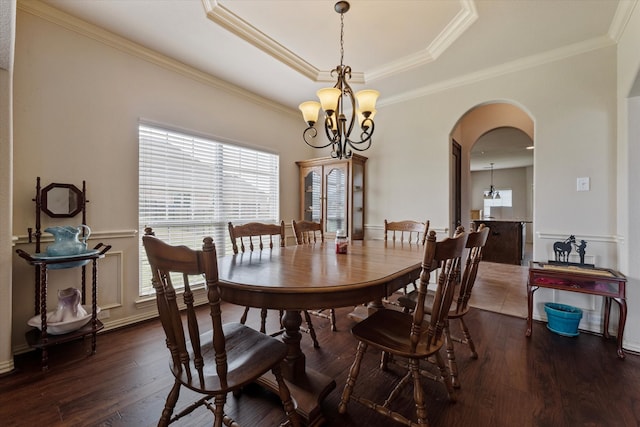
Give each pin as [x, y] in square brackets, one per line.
[484, 121]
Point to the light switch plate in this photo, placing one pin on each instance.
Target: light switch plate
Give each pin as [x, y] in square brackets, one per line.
[583, 184]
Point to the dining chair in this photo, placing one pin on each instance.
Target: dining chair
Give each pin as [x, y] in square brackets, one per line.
[255, 236]
[410, 336]
[220, 360]
[460, 306]
[309, 232]
[409, 231]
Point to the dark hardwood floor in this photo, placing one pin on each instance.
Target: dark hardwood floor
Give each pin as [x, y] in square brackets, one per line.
[547, 380]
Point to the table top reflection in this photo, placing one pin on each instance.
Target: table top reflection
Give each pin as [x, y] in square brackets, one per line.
[314, 276]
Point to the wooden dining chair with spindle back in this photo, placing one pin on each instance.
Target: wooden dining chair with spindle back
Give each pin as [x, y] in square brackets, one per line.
[409, 336]
[215, 363]
[256, 236]
[406, 231]
[311, 232]
[460, 306]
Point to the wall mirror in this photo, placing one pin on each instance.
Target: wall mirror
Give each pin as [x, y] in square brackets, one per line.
[61, 200]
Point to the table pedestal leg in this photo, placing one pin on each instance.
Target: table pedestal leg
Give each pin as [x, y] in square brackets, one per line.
[308, 387]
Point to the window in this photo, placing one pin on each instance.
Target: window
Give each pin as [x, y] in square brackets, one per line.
[190, 187]
[503, 201]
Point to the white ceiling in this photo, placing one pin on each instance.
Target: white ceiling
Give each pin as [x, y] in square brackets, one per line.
[505, 147]
[284, 49]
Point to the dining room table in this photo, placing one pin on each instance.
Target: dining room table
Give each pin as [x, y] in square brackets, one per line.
[315, 276]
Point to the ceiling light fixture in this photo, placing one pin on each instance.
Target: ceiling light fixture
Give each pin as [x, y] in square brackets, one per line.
[492, 193]
[336, 103]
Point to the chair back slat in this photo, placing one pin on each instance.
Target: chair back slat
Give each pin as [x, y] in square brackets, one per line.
[244, 234]
[407, 230]
[164, 260]
[446, 254]
[308, 231]
[475, 244]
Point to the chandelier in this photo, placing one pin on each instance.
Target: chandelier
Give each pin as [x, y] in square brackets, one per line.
[492, 193]
[337, 102]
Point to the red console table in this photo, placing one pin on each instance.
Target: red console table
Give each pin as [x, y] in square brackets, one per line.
[607, 283]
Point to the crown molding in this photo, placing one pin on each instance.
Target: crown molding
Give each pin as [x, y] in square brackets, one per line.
[621, 18]
[467, 15]
[122, 44]
[507, 68]
[247, 32]
[241, 28]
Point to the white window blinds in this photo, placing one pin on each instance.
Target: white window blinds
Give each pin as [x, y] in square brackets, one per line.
[191, 187]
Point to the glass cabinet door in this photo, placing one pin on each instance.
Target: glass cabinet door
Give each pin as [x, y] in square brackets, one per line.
[312, 195]
[333, 190]
[357, 225]
[336, 198]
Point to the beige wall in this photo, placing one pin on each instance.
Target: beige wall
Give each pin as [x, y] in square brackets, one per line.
[514, 179]
[572, 103]
[7, 36]
[628, 156]
[78, 101]
[77, 106]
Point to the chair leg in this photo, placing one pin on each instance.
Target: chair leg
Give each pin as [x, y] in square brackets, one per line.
[444, 376]
[285, 397]
[243, 319]
[451, 356]
[418, 393]
[263, 320]
[351, 379]
[467, 338]
[332, 318]
[169, 405]
[384, 361]
[218, 410]
[310, 329]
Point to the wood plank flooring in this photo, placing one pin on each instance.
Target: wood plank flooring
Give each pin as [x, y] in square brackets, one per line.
[546, 380]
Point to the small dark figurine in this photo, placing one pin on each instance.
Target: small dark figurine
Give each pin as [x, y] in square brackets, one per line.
[581, 249]
[563, 249]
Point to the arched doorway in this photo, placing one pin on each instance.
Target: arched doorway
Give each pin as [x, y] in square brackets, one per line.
[502, 128]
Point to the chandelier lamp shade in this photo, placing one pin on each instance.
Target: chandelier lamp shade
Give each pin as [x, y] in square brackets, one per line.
[492, 193]
[337, 103]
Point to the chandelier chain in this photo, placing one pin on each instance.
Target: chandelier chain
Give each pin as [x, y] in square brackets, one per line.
[341, 39]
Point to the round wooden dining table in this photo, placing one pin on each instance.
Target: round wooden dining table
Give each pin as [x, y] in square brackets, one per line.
[306, 277]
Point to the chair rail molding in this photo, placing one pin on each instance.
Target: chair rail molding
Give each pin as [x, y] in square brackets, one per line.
[95, 235]
[601, 238]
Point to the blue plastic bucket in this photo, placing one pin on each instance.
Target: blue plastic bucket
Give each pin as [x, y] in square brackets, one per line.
[563, 319]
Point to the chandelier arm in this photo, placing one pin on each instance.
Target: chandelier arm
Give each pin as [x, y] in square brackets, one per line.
[311, 132]
[365, 137]
[349, 93]
[337, 130]
[332, 136]
[356, 144]
[336, 154]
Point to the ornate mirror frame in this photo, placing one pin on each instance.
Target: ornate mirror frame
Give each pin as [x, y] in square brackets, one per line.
[62, 200]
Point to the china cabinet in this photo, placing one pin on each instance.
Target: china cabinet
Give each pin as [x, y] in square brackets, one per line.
[334, 190]
[62, 201]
